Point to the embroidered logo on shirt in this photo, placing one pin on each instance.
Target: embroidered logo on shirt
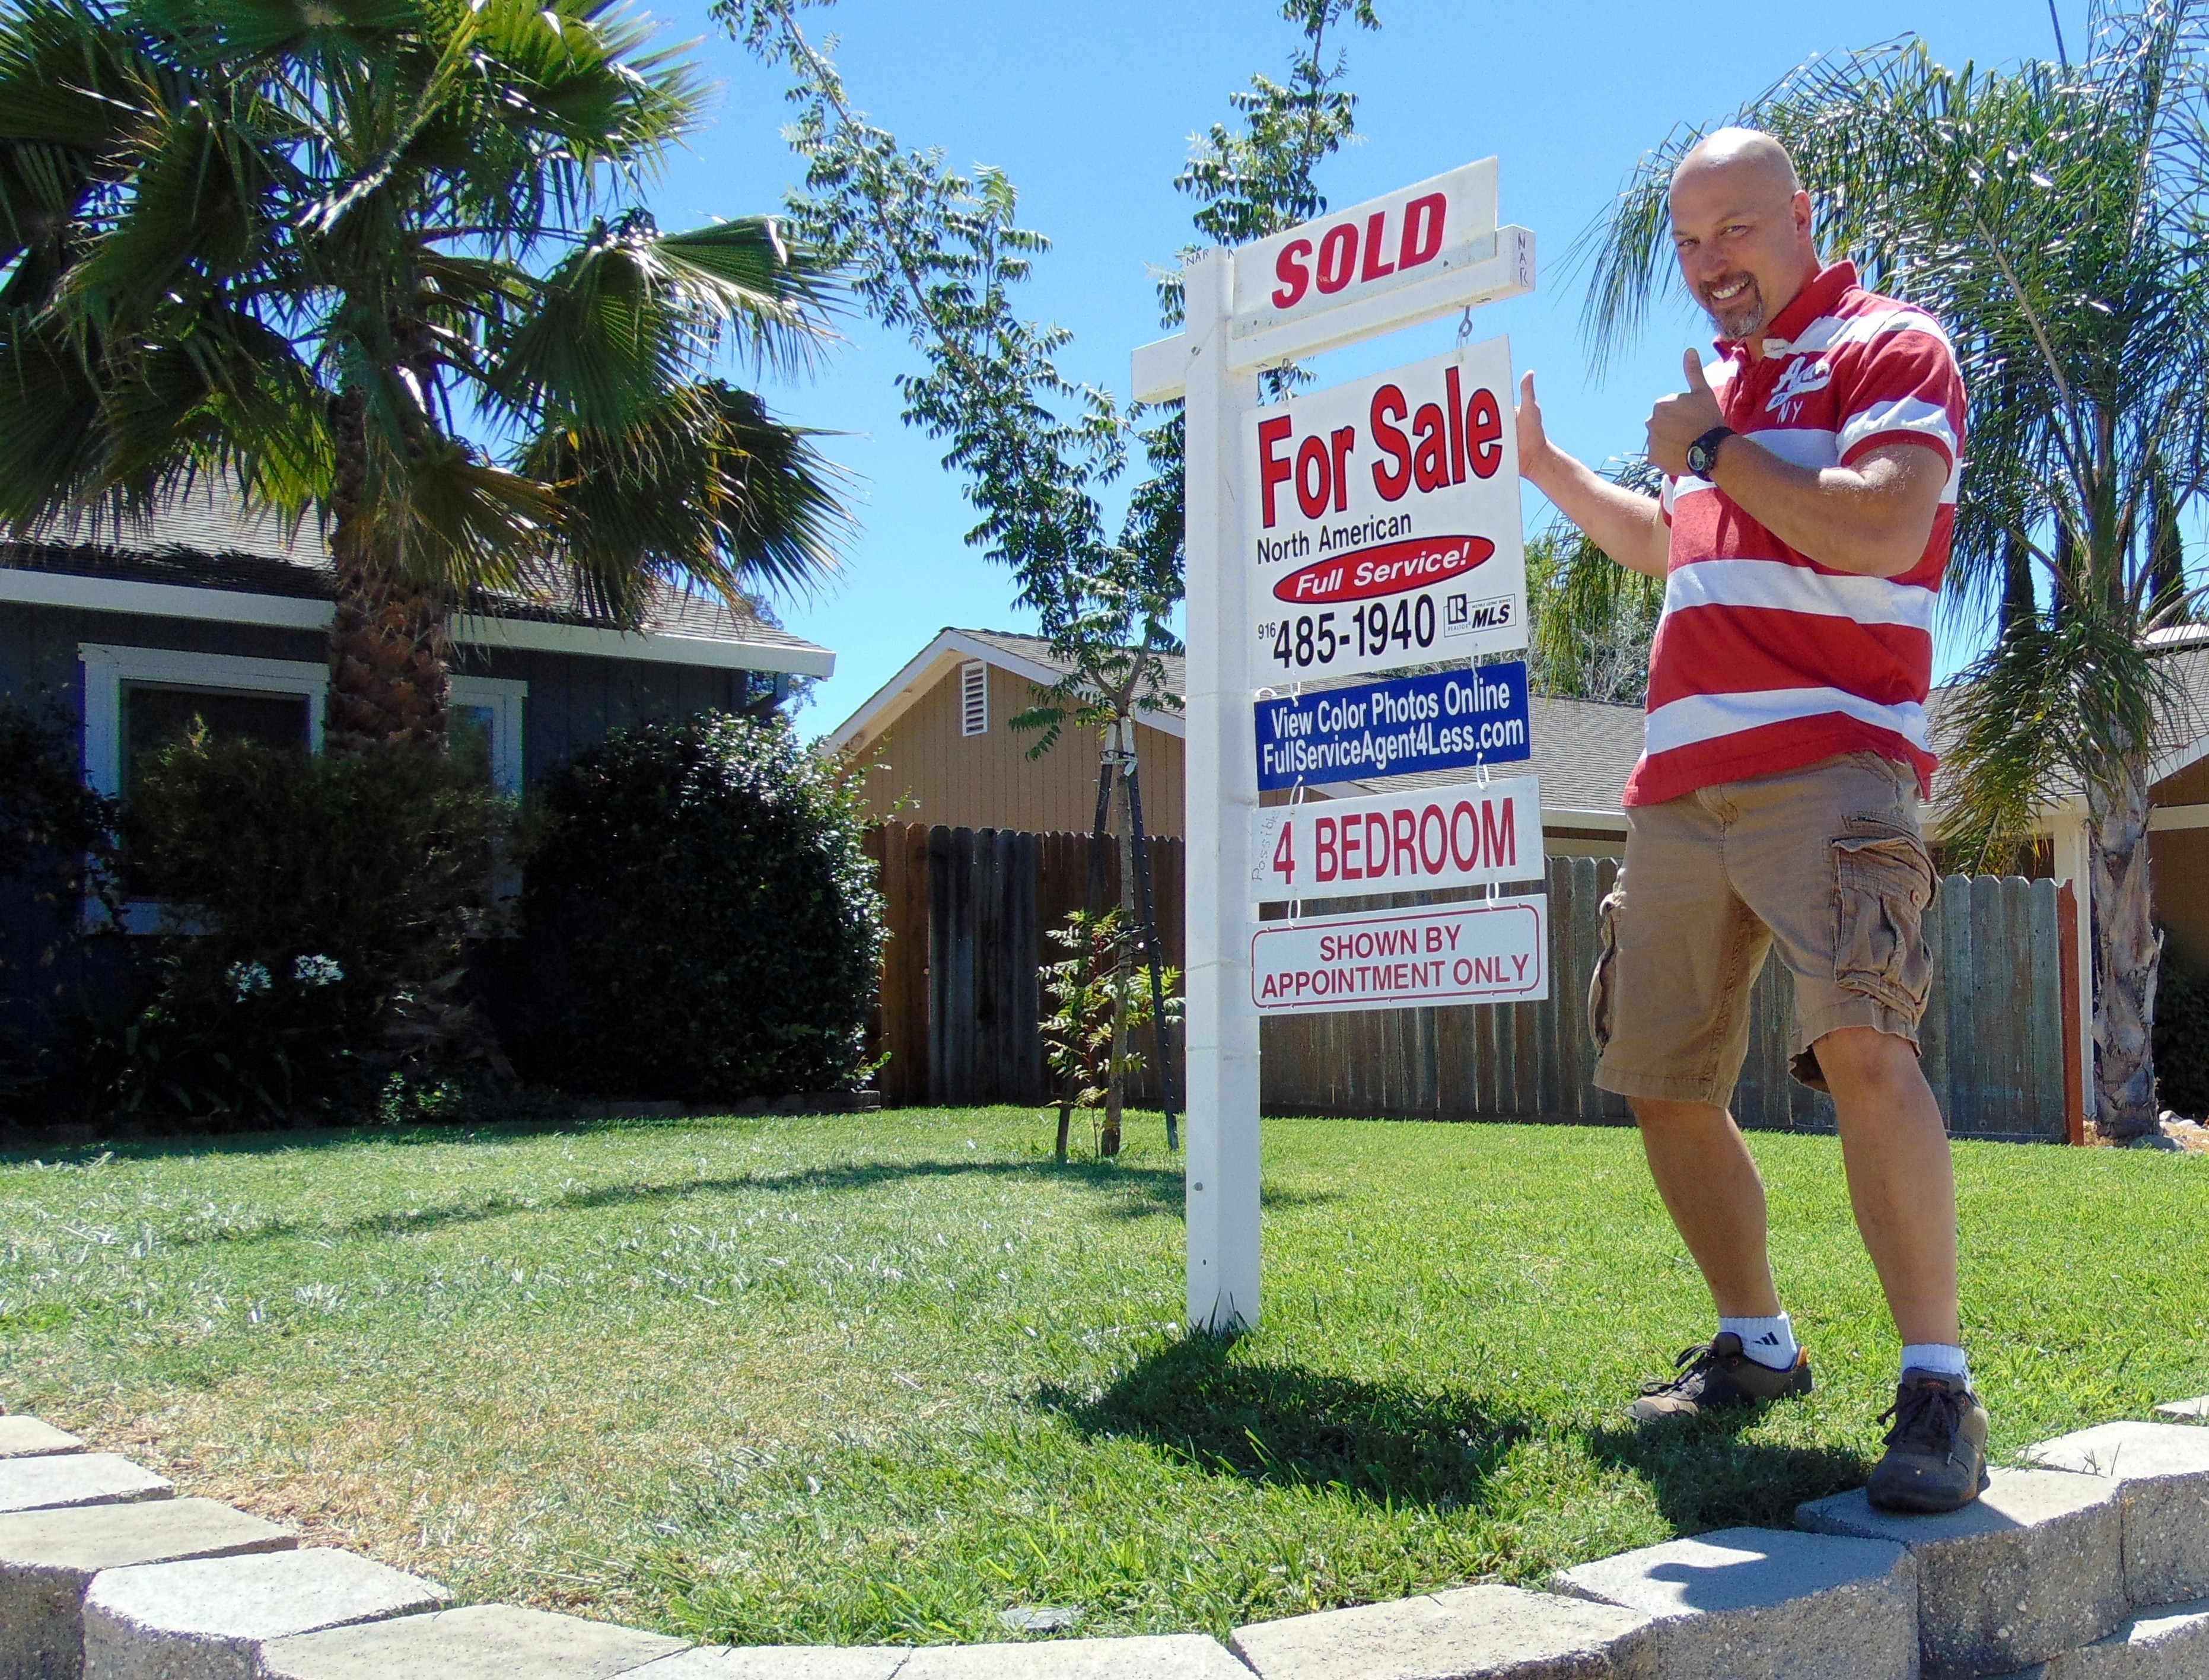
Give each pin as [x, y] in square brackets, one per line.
[1800, 376]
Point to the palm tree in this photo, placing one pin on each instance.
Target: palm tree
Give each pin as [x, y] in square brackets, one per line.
[296, 246]
[2055, 216]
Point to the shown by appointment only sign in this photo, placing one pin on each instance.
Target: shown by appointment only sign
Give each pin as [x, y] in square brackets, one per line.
[1489, 952]
[1383, 520]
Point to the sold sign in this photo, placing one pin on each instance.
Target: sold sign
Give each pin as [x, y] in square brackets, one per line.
[1369, 248]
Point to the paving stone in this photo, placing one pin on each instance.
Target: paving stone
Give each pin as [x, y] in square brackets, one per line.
[76, 1478]
[48, 1559]
[1764, 1603]
[2167, 1644]
[2195, 1411]
[1470, 1633]
[22, 1438]
[1156, 1657]
[480, 1642]
[1171, 1657]
[2032, 1567]
[2162, 1472]
[208, 1620]
[778, 1662]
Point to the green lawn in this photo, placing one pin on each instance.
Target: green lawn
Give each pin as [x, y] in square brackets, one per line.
[877, 1378]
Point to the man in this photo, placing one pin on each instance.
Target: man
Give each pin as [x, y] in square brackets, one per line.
[1802, 533]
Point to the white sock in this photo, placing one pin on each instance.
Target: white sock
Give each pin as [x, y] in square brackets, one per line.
[1937, 1356]
[1769, 1342]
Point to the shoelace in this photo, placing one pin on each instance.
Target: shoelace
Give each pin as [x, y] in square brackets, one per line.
[1688, 1362]
[1926, 1417]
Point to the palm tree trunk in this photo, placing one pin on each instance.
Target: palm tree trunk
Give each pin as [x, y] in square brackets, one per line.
[2128, 951]
[387, 646]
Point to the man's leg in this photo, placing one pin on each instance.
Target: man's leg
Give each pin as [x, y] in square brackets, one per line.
[1901, 1181]
[1712, 1189]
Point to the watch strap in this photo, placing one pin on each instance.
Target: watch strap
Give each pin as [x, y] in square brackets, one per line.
[1702, 454]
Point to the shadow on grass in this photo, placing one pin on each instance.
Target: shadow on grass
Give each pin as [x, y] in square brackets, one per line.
[1134, 1192]
[1703, 1475]
[1287, 1426]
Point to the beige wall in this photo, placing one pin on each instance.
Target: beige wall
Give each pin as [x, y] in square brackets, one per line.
[989, 781]
[2178, 865]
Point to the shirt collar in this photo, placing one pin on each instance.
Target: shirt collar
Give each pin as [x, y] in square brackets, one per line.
[1820, 293]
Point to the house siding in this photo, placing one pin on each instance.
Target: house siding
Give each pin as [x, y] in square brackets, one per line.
[2178, 866]
[989, 781]
[572, 702]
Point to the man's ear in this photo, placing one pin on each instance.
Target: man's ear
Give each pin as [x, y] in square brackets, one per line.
[1799, 206]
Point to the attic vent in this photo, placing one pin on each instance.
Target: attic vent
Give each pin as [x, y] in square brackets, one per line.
[974, 698]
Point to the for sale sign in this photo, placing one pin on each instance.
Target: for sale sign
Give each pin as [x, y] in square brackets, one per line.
[1492, 952]
[1384, 520]
[1464, 836]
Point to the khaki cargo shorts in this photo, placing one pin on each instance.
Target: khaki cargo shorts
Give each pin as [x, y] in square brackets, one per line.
[1826, 861]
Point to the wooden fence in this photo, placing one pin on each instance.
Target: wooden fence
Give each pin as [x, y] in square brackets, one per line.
[960, 1003]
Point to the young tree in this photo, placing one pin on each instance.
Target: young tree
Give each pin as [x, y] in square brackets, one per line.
[301, 250]
[936, 256]
[2055, 216]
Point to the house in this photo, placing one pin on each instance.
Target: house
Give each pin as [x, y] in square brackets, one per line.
[939, 746]
[202, 611]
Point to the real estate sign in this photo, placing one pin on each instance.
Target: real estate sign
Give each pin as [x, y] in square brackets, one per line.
[1490, 952]
[1384, 520]
[1461, 835]
[1403, 727]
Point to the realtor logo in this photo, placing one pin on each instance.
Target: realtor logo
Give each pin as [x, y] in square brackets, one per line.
[1463, 617]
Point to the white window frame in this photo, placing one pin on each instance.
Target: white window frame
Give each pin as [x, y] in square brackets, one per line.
[502, 696]
[974, 668]
[108, 666]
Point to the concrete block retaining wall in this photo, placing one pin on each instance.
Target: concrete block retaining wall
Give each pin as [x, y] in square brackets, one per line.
[2094, 1566]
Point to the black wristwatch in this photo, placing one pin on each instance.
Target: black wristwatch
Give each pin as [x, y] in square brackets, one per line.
[1703, 453]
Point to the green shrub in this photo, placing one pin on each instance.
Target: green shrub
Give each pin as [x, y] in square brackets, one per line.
[56, 847]
[702, 920]
[319, 909]
[2181, 1036]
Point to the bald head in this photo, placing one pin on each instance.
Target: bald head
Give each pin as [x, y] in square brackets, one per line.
[1741, 227]
[1749, 155]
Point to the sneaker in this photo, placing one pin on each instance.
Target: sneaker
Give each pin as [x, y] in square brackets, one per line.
[1717, 1377]
[1936, 1452]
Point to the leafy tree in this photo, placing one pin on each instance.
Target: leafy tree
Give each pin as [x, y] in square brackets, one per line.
[1591, 620]
[301, 249]
[2055, 216]
[936, 255]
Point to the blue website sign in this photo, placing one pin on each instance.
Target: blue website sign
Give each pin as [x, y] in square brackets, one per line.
[1451, 721]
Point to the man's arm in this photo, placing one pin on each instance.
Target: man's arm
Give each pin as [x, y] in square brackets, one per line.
[1872, 519]
[1623, 524]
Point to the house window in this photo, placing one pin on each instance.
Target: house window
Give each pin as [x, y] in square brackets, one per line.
[974, 698]
[482, 724]
[137, 700]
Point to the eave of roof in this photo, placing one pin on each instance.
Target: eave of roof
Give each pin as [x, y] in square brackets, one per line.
[293, 594]
[920, 673]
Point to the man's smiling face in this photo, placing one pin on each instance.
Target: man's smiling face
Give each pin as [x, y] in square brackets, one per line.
[1741, 228]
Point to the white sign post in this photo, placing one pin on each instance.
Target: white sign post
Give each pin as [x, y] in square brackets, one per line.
[1413, 256]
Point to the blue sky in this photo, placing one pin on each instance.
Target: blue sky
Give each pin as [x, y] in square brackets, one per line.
[1090, 109]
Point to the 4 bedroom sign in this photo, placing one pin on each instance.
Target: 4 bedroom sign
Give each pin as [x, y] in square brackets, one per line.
[1386, 519]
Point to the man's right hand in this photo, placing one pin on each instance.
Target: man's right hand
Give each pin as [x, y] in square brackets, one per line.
[1533, 441]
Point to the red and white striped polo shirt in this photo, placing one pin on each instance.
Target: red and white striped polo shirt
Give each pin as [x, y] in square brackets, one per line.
[1765, 660]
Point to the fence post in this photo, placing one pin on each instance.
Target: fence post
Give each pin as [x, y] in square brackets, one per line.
[2074, 1072]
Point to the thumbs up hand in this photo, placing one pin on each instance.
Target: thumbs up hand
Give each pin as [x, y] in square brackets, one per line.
[1678, 421]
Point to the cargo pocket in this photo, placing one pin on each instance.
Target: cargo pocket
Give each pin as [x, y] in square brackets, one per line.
[1601, 984]
[1885, 881]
